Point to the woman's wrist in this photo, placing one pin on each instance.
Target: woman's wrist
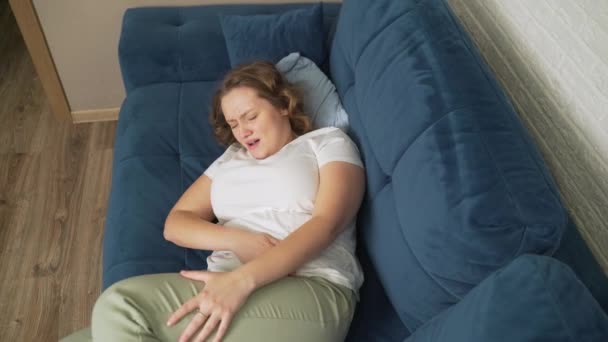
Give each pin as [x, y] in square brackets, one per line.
[247, 278]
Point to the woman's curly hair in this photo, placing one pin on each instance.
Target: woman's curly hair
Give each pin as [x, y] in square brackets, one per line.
[270, 85]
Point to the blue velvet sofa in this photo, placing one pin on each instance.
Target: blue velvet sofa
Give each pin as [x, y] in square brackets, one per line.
[462, 235]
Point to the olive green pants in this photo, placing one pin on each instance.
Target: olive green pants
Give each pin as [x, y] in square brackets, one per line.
[291, 309]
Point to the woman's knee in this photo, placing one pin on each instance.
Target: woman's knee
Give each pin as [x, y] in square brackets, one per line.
[153, 292]
[122, 297]
[113, 299]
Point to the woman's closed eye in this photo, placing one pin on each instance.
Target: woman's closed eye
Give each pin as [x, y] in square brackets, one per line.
[251, 118]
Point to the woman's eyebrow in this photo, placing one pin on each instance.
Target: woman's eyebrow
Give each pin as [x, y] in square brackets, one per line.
[240, 116]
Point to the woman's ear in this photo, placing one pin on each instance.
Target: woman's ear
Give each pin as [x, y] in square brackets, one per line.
[284, 112]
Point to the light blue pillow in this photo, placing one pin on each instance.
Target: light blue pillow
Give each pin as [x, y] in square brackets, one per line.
[273, 36]
[319, 94]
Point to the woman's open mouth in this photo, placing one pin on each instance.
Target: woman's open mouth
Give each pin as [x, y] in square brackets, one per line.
[253, 144]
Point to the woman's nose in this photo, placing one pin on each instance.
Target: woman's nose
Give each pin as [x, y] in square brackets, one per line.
[244, 131]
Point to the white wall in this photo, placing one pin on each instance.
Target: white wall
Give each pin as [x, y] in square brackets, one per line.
[83, 38]
[551, 56]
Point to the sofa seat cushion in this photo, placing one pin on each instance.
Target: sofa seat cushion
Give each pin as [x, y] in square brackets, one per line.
[162, 142]
[456, 188]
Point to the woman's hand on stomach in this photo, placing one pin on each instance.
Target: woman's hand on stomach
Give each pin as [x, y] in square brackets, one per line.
[248, 245]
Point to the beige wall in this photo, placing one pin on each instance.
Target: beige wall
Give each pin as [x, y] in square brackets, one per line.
[83, 39]
[552, 58]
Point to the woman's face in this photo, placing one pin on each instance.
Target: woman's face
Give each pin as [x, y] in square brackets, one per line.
[256, 124]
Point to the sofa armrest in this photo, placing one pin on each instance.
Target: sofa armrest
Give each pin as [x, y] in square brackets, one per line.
[534, 298]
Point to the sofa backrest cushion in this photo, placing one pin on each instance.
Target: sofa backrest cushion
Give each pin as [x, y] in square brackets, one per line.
[455, 187]
[274, 36]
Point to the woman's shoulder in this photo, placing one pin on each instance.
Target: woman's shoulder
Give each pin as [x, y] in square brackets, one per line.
[320, 134]
[229, 153]
[326, 135]
[326, 130]
[332, 142]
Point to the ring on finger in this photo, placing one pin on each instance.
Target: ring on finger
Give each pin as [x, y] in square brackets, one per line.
[202, 313]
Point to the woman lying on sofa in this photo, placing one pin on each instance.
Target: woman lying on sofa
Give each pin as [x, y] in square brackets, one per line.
[283, 266]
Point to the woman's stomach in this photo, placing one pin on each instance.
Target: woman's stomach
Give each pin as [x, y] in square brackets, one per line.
[278, 224]
[337, 263]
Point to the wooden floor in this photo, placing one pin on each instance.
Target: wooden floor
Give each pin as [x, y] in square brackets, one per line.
[54, 183]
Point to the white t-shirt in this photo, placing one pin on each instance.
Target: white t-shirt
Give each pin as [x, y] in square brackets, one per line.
[276, 195]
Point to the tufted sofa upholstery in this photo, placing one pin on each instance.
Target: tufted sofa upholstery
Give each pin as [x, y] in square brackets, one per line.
[460, 214]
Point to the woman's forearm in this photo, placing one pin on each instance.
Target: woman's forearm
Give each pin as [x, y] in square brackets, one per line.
[301, 246]
[186, 229]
